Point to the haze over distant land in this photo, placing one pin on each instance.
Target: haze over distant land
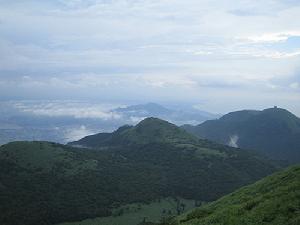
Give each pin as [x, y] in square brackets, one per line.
[65, 121]
[221, 55]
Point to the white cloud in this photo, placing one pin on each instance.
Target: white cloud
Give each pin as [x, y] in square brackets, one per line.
[75, 134]
[145, 49]
[274, 37]
[233, 140]
[165, 80]
[135, 119]
[294, 85]
[77, 110]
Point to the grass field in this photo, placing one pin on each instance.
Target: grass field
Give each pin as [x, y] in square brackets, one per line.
[132, 214]
[274, 200]
[46, 156]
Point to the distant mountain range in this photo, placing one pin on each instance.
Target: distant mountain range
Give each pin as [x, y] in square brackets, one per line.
[63, 122]
[274, 132]
[177, 116]
[274, 200]
[46, 183]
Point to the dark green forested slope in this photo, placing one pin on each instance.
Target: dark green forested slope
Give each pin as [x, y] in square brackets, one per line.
[47, 183]
[274, 200]
[275, 132]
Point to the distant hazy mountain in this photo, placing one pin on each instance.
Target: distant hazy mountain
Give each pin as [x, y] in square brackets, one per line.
[144, 110]
[45, 183]
[274, 132]
[274, 200]
[177, 116]
[63, 121]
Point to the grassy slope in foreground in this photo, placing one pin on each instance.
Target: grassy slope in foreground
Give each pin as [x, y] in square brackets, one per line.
[273, 200]
[135, 213]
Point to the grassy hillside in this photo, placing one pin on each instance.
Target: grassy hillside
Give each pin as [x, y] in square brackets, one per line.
[47, 183]
[135, 213]
[44, 183]
[274, 200]
[46, 157]
[275, 132]
[149, 130]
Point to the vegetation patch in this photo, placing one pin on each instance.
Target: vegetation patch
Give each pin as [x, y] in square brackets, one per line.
[274, 200]
[133, 214]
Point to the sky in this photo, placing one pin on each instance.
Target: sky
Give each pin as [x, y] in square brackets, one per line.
[217, 55]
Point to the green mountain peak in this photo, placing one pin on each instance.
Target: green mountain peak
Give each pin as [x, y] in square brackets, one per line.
[149, 130]
[274, 131]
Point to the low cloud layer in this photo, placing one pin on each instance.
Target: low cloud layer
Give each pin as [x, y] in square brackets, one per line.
[77, 110]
